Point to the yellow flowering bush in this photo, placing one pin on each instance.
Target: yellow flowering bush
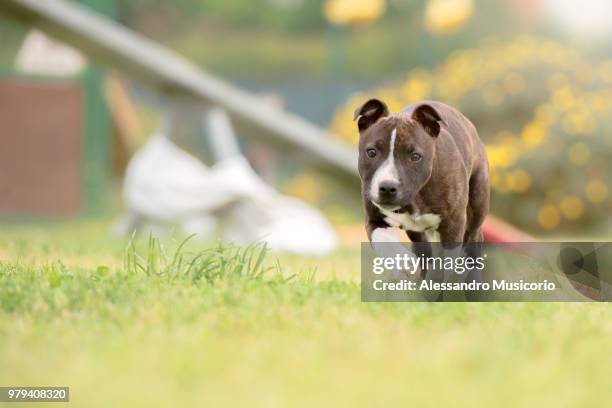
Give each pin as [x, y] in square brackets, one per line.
[444, 16]
[545, 114]
[347, 12]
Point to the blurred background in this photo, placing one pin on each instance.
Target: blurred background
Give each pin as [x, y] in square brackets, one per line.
[535, 76]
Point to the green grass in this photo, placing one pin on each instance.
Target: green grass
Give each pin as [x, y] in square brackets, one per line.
[144, 324]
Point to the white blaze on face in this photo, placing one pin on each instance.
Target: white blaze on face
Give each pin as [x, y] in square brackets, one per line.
[387, 171]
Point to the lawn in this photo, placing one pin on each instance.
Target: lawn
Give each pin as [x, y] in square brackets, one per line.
[137, 324]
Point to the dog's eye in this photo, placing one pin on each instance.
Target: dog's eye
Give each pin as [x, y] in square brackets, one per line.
[415, 157]
[371, 152]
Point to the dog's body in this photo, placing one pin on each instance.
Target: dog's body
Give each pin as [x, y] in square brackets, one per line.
[424, 170]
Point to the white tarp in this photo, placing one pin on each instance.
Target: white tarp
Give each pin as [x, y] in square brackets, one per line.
[164, 186]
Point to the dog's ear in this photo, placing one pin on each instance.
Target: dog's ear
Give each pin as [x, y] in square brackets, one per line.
[369, 113]
[429, 118]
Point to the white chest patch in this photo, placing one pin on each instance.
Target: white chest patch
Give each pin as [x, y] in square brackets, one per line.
[414, 222]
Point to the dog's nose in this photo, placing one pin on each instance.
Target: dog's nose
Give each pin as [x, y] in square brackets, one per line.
[387, 190]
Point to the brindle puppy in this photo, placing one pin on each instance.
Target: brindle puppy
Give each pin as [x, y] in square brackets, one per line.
[424, 170]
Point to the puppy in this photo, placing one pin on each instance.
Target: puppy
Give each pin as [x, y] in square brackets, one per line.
[424, 170]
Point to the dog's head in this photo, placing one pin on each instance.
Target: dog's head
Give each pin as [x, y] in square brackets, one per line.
[396, 152]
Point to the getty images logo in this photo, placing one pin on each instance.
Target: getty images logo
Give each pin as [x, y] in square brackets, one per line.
[588, 268]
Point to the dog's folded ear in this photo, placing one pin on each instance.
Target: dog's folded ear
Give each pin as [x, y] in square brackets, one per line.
[369, 113]
[429, 118]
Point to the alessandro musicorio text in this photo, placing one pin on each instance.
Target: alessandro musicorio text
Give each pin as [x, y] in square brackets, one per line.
[502, 285]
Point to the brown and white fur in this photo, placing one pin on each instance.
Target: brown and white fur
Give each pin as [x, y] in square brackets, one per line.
[424, 170]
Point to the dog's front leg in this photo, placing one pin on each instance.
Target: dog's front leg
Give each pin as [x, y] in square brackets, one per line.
[386, 244]
[452, 229]
[452, 235]
[374, 230]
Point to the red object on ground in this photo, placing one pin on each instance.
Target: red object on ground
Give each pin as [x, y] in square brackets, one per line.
[497, 231]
